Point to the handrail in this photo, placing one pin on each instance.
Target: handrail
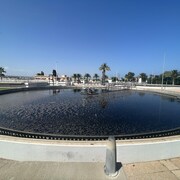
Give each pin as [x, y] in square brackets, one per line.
[23, 134]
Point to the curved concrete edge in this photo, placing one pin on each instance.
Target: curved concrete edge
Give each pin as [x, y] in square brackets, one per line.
[148, 151]
[31, 88]
[91, 151]
[172, 91]
[22, 149]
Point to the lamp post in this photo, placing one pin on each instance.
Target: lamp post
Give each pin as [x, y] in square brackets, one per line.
[163, 72]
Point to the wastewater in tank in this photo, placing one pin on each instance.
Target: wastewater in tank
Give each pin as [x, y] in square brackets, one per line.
[69, 112]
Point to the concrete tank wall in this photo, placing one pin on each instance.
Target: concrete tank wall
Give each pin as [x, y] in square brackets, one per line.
[91, 151]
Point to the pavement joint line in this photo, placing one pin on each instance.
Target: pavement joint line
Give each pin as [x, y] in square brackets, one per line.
[168, 163]
[174, 172]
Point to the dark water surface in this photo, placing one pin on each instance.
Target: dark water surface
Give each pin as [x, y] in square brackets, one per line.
[71, 113]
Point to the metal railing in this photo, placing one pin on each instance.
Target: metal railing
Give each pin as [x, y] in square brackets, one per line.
[22, 134]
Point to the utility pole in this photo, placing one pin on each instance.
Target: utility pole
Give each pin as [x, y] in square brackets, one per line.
[163, 72]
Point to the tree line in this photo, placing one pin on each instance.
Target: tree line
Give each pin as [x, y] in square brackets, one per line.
[168, 77]
[104, 67]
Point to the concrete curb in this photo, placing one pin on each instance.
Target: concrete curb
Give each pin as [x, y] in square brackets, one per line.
[21, 149]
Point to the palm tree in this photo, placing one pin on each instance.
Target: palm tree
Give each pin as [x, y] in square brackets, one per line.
[96, 77]
[174, 75]
[130, 76]
[54, 73]
[104, 67]
[114, 79]
[1, 72]
[150, 79]
[40, 74]
[143, 76]
[74, 76]
[78, 77]
[87, 76]
[156, 79]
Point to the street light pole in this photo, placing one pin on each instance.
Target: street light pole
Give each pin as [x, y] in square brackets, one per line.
[163, 72]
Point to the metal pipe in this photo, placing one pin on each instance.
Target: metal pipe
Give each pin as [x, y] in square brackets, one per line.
[110, 166]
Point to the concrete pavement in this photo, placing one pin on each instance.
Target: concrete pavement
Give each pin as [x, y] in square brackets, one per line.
[154, 170]
[14, 170]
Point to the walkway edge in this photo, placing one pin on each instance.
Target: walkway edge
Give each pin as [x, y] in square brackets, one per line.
[22, 149]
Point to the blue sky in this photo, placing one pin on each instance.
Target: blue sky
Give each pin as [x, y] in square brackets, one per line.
[77, 36]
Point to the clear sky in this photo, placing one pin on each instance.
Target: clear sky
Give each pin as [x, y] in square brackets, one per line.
[77, 36]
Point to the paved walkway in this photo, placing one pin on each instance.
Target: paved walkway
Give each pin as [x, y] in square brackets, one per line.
[156, 170]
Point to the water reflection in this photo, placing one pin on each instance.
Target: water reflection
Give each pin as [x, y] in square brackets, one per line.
[103, 102]
[56, 91]
[168, 98]
[77, 90]
[141, 93]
